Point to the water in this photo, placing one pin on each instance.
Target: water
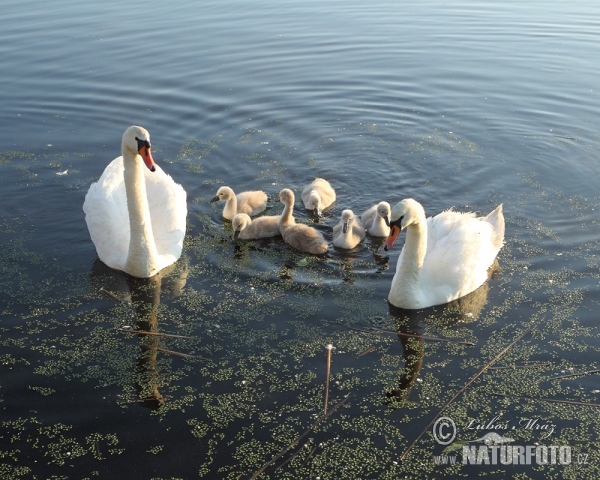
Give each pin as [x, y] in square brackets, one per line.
[458, 104]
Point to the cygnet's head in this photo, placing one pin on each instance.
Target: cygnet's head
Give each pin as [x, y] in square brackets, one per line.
[136, 141]
[223, 194]
[286, 196]
[403, 214]
[239, 222]
[314, 203]
[384, 210]
[347, 216]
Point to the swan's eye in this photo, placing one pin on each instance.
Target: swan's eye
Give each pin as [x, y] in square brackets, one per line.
[142, 143]
[397, 223]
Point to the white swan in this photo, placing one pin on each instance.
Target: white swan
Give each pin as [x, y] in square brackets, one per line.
[251, 202]
[444, 257]
[301, 237]
[374, 219]
[136, 215]
[349, 232]
[246, 228]
[318, 195]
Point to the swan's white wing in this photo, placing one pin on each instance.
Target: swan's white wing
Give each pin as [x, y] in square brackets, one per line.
[459, 253]
[168, 212]
[106, 215]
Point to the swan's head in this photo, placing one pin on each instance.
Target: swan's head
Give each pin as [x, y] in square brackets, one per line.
[314, 203]
[239, 222]
[136, 141]
[286, 196]
[403, 214]
[347, 216]
[223, 194]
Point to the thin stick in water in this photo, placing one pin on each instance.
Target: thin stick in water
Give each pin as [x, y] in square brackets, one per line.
[308, 458]
[368, 350]
[110, 294]
[575, 374]
[179, 354]
[533, 365]
[552, 400]
[413, 335]
[329, 349]
[291, 457]
[283, 452]
[158, 334]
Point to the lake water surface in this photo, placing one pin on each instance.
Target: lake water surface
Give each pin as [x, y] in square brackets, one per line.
[457, 104]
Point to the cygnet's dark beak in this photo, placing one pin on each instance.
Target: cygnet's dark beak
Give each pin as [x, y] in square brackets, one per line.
[387, 220]
[345, 227]
[236, 234]
[214, 199]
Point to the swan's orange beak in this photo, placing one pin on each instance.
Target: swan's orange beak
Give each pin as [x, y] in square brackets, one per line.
[394, 232]
[147, 157]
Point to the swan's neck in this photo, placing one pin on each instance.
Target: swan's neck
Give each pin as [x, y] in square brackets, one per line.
[142, 256]
[315, 199]
[406, 288]
[230, 209]
[287, 219]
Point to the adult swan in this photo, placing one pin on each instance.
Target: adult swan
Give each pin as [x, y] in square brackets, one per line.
[136, 215]
[444, 257]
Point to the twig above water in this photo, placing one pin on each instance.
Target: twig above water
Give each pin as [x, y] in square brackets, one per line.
[329, 349]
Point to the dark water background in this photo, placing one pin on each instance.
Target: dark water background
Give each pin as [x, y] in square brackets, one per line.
[457, 104]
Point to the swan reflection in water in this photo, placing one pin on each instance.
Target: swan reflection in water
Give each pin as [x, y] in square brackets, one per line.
[145, 296]
[369, 250]
[463, 310]
[382, 260]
